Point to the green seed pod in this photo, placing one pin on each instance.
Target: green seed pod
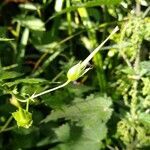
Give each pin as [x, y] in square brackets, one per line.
[75, 72]
[23, 118]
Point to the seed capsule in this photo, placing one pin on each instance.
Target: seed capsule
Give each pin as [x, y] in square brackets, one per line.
[75, 72]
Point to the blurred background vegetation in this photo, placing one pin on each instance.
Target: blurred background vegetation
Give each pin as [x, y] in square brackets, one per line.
[108, 108]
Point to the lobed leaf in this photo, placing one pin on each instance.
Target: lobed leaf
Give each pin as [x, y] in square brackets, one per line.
[93, 108]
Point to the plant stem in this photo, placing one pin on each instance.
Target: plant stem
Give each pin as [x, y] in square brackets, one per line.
[50, 90]
[6, 124]
[138, 7]
[27, 105]
[146, 12]
[21, 47]
[8, 129]
[69, 18]
[135, 84]
[123, 32]
[136, 69]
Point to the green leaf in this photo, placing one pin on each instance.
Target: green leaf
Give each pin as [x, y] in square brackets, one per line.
[90, 117]
[91, 109]
[9, 75]
[76, 138]
[145, 118]
[45, 40]
[147, 28]
[79, 90]
[26, 81]
[29, 6]
[5, 39]
[91, 3]
[63, 132]
[3, 34]
[146, 87]
[31, 22]
[57, 99]
[145, 68]
[63, 97]
[24, 138]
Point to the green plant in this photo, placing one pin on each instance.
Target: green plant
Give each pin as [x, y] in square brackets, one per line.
[130, 85]
[43, 43]
[24, 118]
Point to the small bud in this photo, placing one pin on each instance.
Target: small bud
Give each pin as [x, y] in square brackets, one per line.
[14, 101]
[23, 118]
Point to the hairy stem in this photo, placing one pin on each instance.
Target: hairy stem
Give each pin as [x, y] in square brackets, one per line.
[50, 90]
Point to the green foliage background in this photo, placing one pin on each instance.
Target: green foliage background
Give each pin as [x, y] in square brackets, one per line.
[106, 109]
